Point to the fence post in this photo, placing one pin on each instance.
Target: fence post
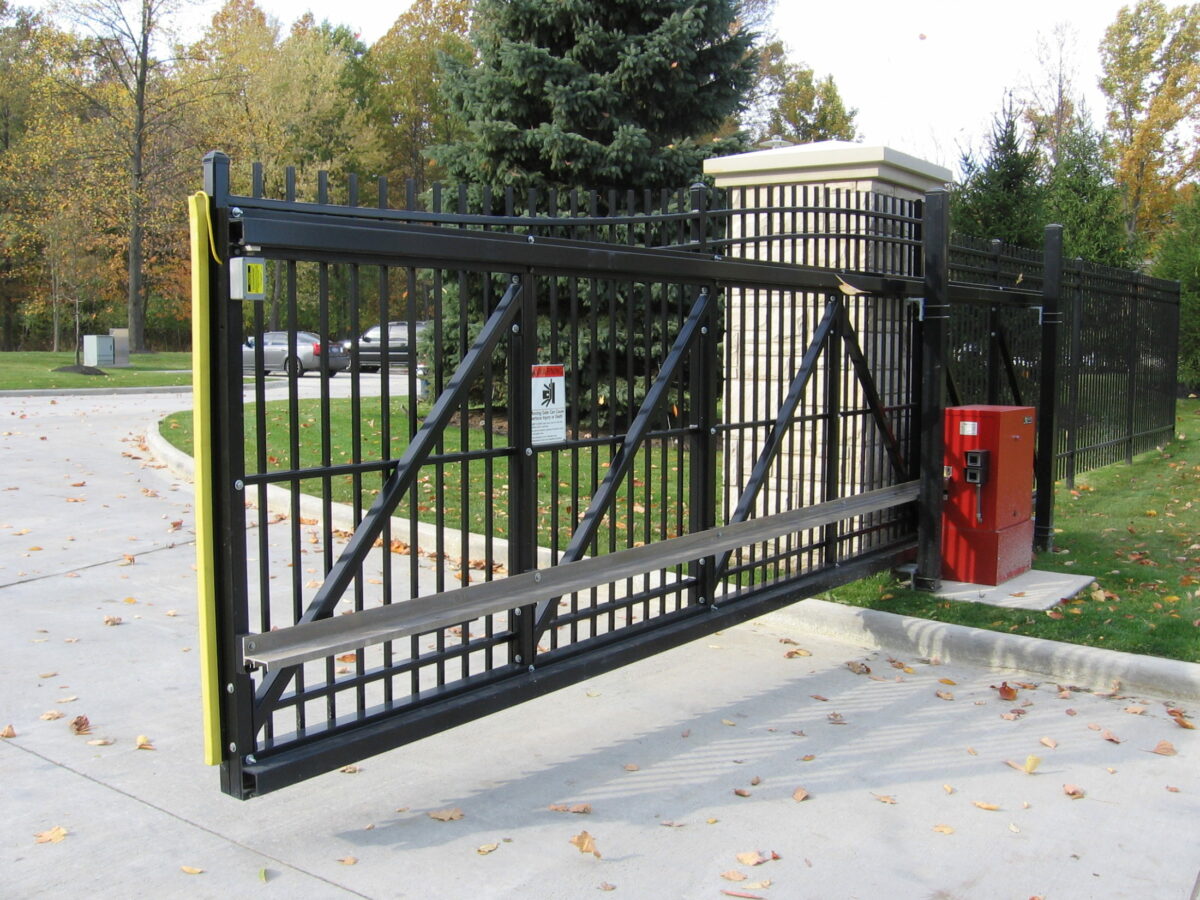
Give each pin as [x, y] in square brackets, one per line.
[1047, 425]
[704, 385]
[994, 362]
[935, 240]
[1131, 365]
[1076, 365]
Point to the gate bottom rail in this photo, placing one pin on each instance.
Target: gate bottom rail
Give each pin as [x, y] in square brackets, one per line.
[277, 650]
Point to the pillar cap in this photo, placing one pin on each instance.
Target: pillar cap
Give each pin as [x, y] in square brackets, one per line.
[829, 162]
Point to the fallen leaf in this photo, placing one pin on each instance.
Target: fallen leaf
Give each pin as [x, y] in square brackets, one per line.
[71, 699]
[112, 620]
[752, 858]
[579, 808]
[948, 789]
[1173, 790]
[943, 829]
[670, 824]
[1135, 710]
[800, 795]
[485, 849]
[605, 886]
[51, 715]
[884, 798]
[797, 653]
[349, 770]
[348, 657]
[972, 751]
[632, 767]
[991, 807]
[808, 757]
[143, 743]
[758, 885]
[53, 836]
[755, 781]
[1183, 722]
[819, 697]
[741, 792]
[99, 742]
[1109, 736]
[586, 844]
[1162, 748]
[1070, 712]
[728, 722]
[8, 732]
[446, 815]
[835, 718]
[264, 876]
[47, 675]
[348, 860]
[1006, 691]
[745, 895]
[1049, 742]
[858, 668]
[947, 681]
[1093, 726]
[81, 725]
[1013, 828]
[190, 870]
[944, 695]
[1073, 791]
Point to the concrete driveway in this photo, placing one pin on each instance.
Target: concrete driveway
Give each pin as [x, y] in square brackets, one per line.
[689, 763]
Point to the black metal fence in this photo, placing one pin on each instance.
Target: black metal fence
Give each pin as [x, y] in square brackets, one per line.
[636, 419]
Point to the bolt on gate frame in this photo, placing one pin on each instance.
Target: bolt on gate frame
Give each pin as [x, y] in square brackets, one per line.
[378, 563]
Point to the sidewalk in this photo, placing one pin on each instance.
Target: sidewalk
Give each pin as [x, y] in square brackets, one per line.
[656, 749]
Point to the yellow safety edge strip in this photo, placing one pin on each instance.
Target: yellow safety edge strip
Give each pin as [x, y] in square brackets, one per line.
[202, 243]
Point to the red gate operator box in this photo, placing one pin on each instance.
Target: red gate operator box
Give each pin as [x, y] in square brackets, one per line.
[987, 523]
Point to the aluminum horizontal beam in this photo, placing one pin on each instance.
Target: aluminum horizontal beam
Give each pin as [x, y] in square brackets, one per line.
[286, 647]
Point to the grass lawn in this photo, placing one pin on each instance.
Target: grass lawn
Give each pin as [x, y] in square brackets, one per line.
[462, 491]
[1136, 528]
[34, 370]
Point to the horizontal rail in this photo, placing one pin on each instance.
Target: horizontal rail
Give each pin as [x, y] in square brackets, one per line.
[390, 243]
[286, 647]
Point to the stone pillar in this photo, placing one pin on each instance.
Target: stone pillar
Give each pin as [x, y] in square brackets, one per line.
[820, 205]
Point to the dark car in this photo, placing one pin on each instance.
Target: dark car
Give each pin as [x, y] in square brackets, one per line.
[369, 345]
[280, 355]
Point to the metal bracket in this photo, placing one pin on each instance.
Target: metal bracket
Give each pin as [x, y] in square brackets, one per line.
[920, 301]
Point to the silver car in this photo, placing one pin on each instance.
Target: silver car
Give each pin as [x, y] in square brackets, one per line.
[279, 354]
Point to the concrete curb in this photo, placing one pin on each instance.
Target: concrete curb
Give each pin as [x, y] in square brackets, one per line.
[1068, 663]
[1075, 664]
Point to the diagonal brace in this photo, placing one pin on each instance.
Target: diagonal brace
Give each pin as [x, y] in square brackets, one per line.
[401, 480]
[782, 423]
[867, 381]
[647, 414]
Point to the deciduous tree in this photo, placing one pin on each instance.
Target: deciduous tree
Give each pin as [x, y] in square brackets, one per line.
[1150, 59]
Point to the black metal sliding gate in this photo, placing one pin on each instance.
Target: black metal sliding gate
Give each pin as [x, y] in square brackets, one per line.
[615, 430]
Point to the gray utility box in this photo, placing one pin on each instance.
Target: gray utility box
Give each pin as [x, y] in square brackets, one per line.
[120, 338]
[98, 350]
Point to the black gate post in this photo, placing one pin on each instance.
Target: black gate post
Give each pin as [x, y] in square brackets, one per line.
[935, 240]
[228, 491]
[522, 469]
[704, 375]
[1047, 424]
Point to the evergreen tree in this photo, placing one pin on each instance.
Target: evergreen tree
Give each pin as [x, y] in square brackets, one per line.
[596, 93]
[1002, 196]
[1082, 196]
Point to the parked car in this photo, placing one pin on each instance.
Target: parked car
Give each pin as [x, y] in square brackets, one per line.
[278, 354]
[369, 345]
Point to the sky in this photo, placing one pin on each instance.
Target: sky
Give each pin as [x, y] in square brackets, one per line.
[926, 76]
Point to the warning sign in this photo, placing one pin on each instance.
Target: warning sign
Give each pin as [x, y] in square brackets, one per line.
[549, 405]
